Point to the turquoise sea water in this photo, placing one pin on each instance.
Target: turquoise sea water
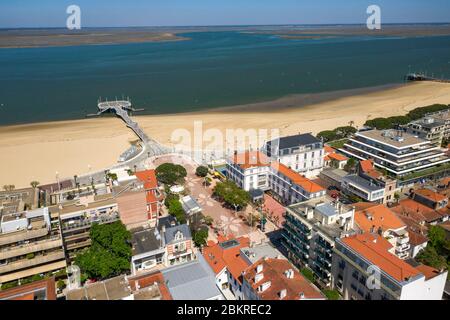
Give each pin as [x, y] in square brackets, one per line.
[212, 69]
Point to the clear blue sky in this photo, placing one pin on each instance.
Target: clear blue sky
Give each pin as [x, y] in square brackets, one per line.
[115, 13]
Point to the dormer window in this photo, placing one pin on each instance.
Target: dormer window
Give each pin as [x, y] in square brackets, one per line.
[179, 236]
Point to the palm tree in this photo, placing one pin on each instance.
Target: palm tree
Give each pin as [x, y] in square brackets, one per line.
[34, 184]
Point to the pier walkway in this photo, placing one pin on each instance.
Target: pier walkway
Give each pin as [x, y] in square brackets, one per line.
[424, 77]
[121, 109]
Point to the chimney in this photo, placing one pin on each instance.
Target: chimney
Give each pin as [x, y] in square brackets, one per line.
[282, 294]
[302, 295]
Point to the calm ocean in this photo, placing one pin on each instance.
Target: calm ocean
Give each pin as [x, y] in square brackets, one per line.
[212, 69]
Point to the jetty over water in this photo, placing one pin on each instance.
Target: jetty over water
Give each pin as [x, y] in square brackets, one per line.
[121, 109]
[424, 77]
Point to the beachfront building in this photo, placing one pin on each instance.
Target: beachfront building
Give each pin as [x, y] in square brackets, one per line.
[254, 170]
[427, 128]
[399, 153]
[78, 216]
[30, 244]
[355, 258]
[443, 116]
[310, 230]
[18, 200]
[277, 279]
[378, 219]
[303, 153]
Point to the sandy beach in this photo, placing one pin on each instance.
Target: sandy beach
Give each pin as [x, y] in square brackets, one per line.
[38, 151]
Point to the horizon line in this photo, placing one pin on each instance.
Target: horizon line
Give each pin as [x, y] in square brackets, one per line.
[232, 25]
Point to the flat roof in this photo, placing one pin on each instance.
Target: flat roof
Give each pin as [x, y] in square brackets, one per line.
[391, 137]
[361, 182]
[194, 280]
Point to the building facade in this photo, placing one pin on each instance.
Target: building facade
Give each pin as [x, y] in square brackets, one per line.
[399, 153]
[303, 153]
[363, 269]
[30, 243]
[253, 170]
[310, 230]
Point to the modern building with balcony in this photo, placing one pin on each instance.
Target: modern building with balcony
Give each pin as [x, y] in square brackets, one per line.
[77, 219]
[427, 128]
[364, 269]
[395, 151]
[310, 230]
[30, 244]
[304, 153]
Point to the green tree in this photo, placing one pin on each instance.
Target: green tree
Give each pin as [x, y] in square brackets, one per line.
[327, 135]
[169, 173]
[34, 184]
[61, 284]
[176, 210]
[351, 165]
[332, 294]
[110, 252]
[201, 171]
[437, 237]
[200, 237]
[430, 257]
[231, 194]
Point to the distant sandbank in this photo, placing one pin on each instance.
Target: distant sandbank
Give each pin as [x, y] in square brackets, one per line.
[36, 151]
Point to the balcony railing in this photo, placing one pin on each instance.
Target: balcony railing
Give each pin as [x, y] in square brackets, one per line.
[23, 249]
[27, 263]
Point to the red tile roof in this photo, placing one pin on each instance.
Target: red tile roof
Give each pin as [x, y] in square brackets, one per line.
[148, 177]
[430, 194]
[146, 280]
[297, 178]
[219, 258]
[329, 149]
[376, 216]
[427, 271]
[372, 248]
[416, 210]
[251, 159]
[274, 270]
[366, 165]
[337, 157]
[27, 291]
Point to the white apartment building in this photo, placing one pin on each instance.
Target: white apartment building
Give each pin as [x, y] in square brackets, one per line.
[253, 170]
[310, 230]
[303, 153]
[427, 128]
[397, 152]
[359, 259]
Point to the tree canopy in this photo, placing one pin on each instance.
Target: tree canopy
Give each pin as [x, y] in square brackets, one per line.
[201, 171]
[336, 134]
[231, 194]
[110, 252]
[200, 237]
[169, 173]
